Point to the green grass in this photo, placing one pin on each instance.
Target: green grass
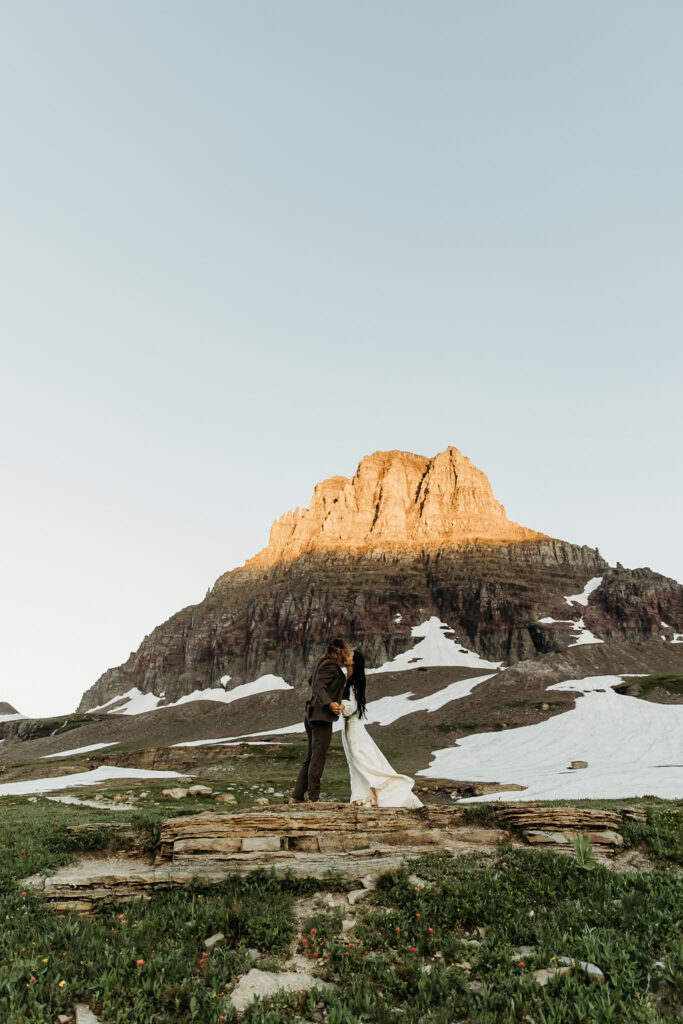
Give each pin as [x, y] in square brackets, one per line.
[473, 908]
[670, 682]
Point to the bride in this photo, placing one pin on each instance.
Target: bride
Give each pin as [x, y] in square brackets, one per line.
[374, 783]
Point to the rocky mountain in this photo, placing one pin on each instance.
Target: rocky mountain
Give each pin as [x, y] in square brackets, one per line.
[7, 709]
[373, 557]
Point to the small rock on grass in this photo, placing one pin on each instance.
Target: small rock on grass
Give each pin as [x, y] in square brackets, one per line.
[176, 793]
[254, 954]
[543, 976]
[369, 881]
[224, 798]
[200, 790]
[261, 801]
[214, 940]
[259, 984]
[417, 883]
[356, 895]
[84, 1014]
[593, 972]
[347, 924]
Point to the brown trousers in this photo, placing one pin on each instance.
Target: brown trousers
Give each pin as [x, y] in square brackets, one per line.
[308, 780]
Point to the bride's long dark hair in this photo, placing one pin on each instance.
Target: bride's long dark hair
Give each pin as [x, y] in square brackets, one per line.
[356, 682]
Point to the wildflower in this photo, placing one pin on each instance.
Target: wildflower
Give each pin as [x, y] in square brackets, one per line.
[316, 955]
[23, 853]
[45, 959]
[431, 931]
[417, 914]
[62, 983]
[23, 896]
[346, 953]
[23, 949]
[140, 963]
[397, 928]
[522, 964]
[122, 918]
[32, 980]
[56, 824]
[329, 954]
[412, 949]
[314, 931]
[304, 942]
[350, 945]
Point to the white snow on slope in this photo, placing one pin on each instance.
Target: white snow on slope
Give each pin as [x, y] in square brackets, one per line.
[678, 638]
[93, 778]
[583, 636]
[382, 711]
[265, 684]
[138, 703]
[434, 650]
[80, 750]
[11, 718]
[582, 598]
[633, 747]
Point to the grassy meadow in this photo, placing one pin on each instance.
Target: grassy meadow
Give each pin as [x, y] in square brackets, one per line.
[460, 947]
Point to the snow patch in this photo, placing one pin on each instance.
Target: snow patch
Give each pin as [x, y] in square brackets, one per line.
[583, 636]
[80, 750]
[678, 638]
[136, 703]
[265, 684]
[382, 711]
[633, 747]
[434, 650]
[98, 775]
[582, 598]
[12, 718]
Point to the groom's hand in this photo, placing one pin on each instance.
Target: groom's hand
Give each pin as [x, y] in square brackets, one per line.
[335, 708]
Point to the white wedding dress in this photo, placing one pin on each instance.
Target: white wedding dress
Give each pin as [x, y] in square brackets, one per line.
[374, 783]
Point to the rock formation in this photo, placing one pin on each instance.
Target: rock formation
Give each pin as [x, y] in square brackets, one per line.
[407, 538]
[396, 501]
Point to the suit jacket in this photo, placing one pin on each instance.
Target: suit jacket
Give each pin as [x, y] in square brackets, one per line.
[327, 685]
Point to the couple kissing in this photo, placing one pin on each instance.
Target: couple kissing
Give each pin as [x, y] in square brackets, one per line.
[338, 687]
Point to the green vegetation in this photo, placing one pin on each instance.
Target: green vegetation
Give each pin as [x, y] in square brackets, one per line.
[461, 947]
[669, 682]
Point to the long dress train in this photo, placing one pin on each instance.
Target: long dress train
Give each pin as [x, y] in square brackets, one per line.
[374, 783]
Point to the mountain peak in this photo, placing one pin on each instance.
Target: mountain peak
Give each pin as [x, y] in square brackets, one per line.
[395, 501]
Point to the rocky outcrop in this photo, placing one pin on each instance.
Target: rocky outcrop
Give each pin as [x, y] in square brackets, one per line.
[7, 709]
[396, 501]
[407, 538]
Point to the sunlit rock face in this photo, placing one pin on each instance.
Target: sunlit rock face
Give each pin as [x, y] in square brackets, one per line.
[406, 539]
[398, 501]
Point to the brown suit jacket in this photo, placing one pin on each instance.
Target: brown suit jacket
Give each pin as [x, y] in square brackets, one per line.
[327, 685]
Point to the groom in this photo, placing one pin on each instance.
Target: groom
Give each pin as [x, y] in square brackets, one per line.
[322, 709]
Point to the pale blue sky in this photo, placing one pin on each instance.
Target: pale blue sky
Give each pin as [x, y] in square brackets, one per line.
[245, 244]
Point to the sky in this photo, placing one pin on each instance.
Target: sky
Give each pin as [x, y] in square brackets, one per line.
[245, 244]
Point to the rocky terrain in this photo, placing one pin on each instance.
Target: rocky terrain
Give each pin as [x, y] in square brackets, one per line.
[405, 539]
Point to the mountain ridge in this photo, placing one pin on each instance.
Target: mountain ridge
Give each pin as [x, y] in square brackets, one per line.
[375, 556]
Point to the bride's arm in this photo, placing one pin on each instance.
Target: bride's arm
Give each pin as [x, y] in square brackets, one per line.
[349, 706]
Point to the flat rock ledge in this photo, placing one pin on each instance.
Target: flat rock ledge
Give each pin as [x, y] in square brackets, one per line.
[311, 841]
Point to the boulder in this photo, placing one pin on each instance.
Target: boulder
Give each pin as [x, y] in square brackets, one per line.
[176, 793]
[264, 984]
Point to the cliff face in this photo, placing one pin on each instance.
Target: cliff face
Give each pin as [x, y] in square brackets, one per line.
[405, 539]
[395, 501]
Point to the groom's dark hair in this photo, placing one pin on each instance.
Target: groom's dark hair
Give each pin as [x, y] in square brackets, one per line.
[336, 646]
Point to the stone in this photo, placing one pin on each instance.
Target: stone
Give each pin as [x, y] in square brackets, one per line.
[579, 764]
[254, 954]
[176, 793]
[63, 1019]
[348, 924]
[369, 881]
[264, 984]
[464, 965]
[262, 843]
[593, 972]
[84, 1014]
[224, 798]
[214, 940]
[546, 974]
[261, 801]
[545, 707]
[200, 790]
[416, 882]
[356, 895]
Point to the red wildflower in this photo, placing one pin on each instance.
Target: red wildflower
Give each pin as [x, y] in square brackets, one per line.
[304, 942]
[23, 853]
[23, 895]
[32, 980]
[140, 963]
[412, 949]
[316, 955]
[314, 931]
[347, 953]
[431, 931]
[417, 914]
[522, 964]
